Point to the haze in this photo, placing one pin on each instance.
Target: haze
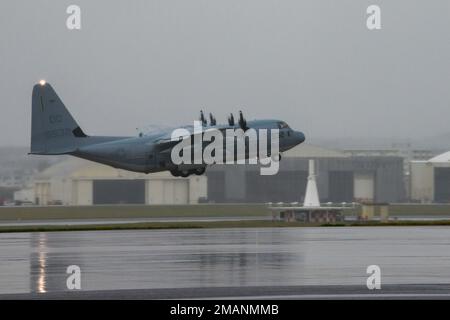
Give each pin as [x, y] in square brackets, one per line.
[311, 63]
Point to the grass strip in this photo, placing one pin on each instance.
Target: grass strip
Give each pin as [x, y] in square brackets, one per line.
[212, 224]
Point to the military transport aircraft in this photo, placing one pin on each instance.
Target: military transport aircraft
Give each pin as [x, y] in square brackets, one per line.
[55, 132]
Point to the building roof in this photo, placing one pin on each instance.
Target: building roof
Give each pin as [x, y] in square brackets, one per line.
[309, 151]
[80, 169]
[441, 158]
[63, 168]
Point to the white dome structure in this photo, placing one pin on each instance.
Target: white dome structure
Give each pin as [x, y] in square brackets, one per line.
[430, 179]
[442, 158]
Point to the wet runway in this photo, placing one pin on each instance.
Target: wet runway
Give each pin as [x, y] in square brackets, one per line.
[79, 222]
[267, 262]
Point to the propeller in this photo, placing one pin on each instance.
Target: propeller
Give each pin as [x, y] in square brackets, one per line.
[202, 118]
[212, 120]
[231, 120]
[242, 121]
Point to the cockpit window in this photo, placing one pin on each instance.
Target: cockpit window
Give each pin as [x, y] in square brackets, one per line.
[282, 125]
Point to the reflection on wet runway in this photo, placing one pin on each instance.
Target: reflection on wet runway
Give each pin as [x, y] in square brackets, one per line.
[37, 262]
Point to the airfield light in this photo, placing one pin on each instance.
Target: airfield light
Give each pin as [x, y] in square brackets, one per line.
[42, 82]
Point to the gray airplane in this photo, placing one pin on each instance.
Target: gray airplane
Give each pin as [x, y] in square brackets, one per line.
[55, 132]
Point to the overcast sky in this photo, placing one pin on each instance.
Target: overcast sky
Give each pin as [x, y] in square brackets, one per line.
[312, 63]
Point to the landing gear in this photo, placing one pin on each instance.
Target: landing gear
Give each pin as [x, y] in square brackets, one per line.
[175, 172]
[200, 171]
[187, 173]
[276, 157]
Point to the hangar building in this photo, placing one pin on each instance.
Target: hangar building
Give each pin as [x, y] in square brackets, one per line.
[430, 180]
[81, 182]
[340, 178]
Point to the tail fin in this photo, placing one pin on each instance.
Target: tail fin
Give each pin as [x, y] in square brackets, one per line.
[53, 129]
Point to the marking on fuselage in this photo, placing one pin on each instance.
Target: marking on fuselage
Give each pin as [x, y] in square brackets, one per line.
[42, 104]
[55, 118]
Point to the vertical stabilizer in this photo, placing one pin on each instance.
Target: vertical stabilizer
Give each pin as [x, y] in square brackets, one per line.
[53, 129]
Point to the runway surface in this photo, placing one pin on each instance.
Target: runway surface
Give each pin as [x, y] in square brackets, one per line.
[228, 263]
[254, 293]
[75, 222]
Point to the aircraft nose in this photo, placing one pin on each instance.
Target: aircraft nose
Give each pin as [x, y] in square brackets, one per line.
[299, 137]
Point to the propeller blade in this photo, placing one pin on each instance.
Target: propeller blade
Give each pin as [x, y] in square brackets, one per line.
[202, 118]
[242, 121]
[212, 120]
[231, 120]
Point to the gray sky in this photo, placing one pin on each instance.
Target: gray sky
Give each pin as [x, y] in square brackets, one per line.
[312, 63]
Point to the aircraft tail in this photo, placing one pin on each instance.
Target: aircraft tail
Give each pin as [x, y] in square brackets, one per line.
[53, 129]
